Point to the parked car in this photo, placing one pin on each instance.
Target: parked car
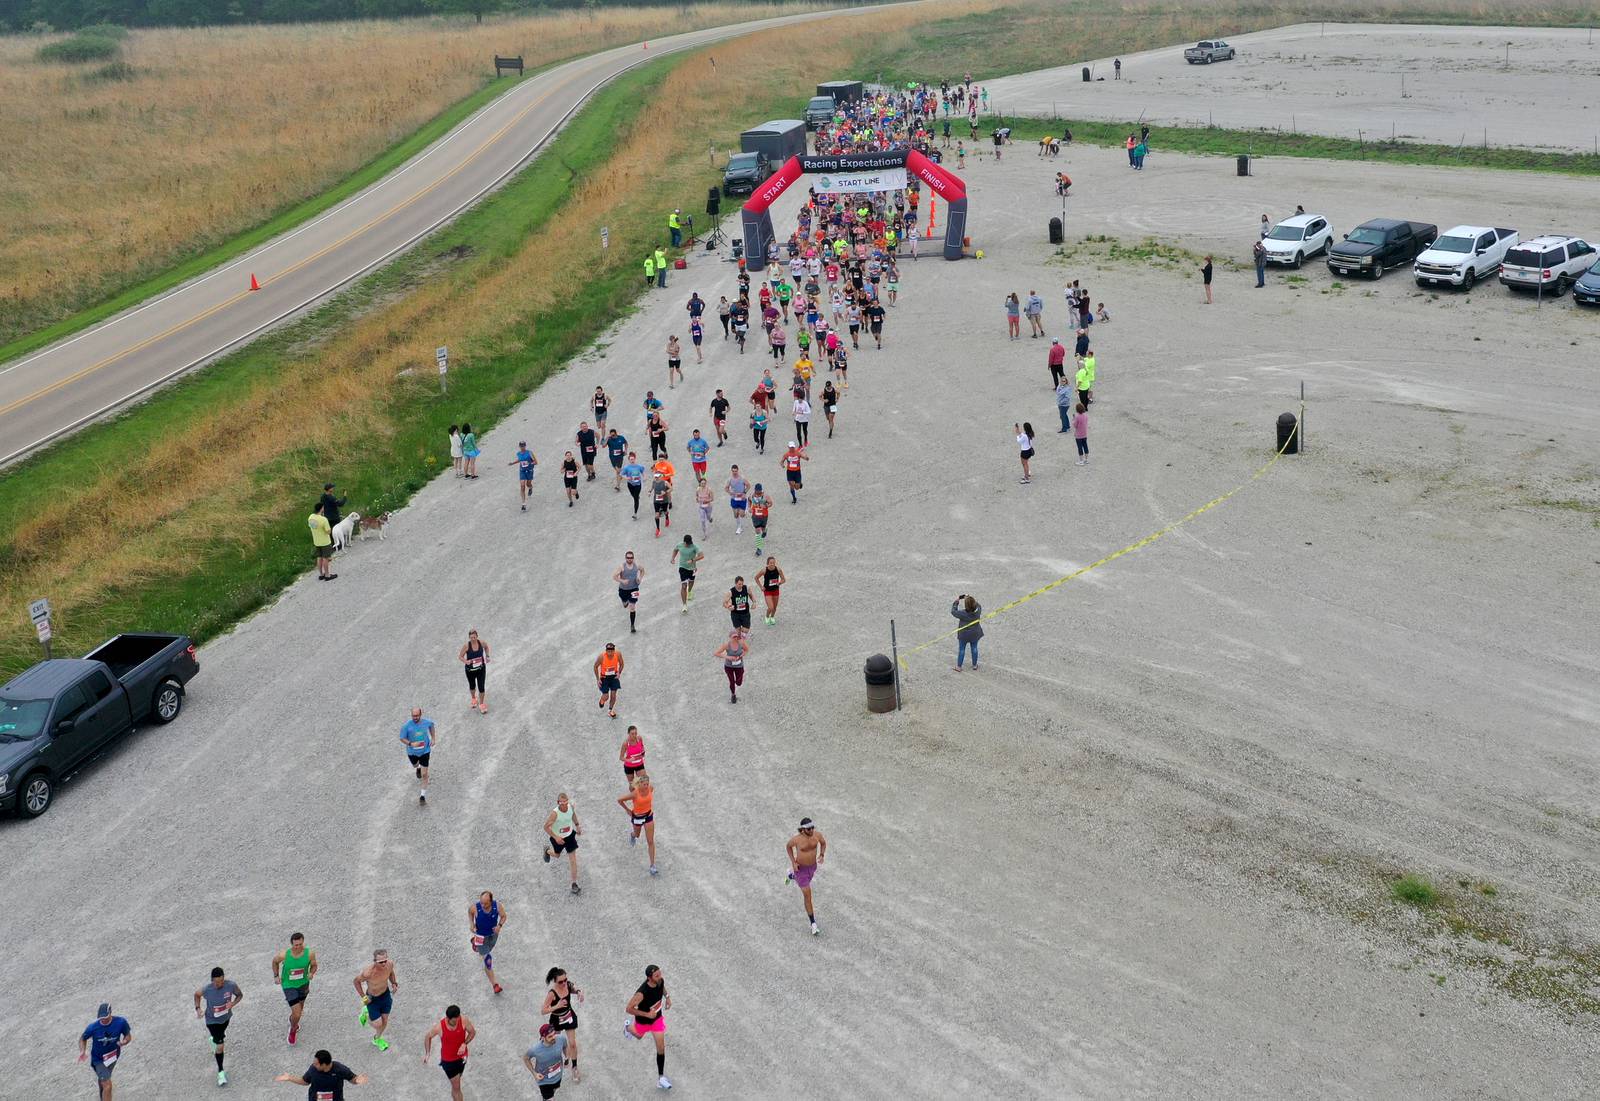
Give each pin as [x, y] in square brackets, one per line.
[745, 173]
[1379, 244]
[1204, 53]
[1293, 239]
[1586, 291]
[1462, 255]
[1552, 262]
[63, 712]
[820, 110]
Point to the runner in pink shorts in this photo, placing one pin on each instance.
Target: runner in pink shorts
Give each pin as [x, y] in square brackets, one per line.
[806, 852]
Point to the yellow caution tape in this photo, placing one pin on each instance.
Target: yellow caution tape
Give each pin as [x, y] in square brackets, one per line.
[1114, 555]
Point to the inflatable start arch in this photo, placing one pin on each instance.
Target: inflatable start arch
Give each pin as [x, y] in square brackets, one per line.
[854, 172]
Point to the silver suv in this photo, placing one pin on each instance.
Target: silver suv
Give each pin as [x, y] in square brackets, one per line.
[1551, 262]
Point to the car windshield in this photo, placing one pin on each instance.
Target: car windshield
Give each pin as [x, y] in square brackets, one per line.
[1594, 270]
[1367, 236]
[1454, 244]
[22, 720]
[742, 160]
[1286, 233]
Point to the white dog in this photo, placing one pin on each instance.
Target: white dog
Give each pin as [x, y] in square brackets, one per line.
[343, 530]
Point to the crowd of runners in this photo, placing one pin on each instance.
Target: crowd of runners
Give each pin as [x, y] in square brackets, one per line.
[832, 285]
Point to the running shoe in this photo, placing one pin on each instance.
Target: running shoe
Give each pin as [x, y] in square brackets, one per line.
[665, 1083]
[497, 988]
[547, 854]
[627, 1030]
[633, 838]
[293, 1034]
[363, 1018]
[380, 1043]
[577, 890]
[422, 800]
[654, 870]
[222, 1078]
[814, 930]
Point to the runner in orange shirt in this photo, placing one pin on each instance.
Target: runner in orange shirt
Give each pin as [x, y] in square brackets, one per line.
[608, 675]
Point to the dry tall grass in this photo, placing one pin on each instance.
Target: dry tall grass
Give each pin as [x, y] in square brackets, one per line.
[107, 181]
[141, 517]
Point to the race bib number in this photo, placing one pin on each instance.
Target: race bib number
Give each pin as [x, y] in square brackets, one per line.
[110, 1057]
[296, 974]
[477, 942]
[221, 1010]
[324, 1095]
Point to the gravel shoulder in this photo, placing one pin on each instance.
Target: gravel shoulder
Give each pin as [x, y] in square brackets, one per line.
[1143, 853]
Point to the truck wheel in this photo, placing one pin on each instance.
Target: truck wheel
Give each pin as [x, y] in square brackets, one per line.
[1562, 283]
[1469, 279]
[1377, 271]
[168, 702]
[1299, 258]
[35, 795]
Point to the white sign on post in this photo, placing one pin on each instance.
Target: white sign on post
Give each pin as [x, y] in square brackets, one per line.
[605, 236]
[442, 356]
[39, 610]
[44, 630]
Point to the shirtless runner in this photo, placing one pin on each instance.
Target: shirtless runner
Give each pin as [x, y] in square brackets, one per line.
[377, 985]
[806, 852]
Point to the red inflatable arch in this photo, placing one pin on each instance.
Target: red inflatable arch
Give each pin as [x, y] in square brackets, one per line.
[864, 172]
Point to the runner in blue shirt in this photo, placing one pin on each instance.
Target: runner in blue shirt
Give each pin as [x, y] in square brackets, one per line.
[698, 448]
[633, 474]
[616, 450]
[526, 464]
[420, 737]
[101, 1046]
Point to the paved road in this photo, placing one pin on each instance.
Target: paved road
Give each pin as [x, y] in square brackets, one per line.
[85, 376]
[1428, 84]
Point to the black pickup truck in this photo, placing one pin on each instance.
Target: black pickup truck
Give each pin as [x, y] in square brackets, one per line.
[1378, 244]
[62, 712]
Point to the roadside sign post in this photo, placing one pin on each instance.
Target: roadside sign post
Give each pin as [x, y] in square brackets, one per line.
[39, 612]
[441, 356]
[605, 237]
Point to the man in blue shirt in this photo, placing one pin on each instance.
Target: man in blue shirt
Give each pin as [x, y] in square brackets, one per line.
[526, 464]
[616, 450]
[101, 1046]
[633, 474]
[698, 447]
[420, 737]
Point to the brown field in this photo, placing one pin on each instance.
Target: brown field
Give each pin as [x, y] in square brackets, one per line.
[111, 181]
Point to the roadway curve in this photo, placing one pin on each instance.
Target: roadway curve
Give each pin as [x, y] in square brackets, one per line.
[84, 377]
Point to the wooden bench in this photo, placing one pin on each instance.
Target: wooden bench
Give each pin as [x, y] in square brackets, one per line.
[507, 63]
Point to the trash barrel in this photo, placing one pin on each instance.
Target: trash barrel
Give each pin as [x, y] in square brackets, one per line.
[1288, 437]
[1244, 165]
[1086, 77]
[1057, 235]
[879, 672]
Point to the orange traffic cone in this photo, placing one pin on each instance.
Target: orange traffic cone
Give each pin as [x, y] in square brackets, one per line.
[647, 45]
[253, 284]
[933, 205]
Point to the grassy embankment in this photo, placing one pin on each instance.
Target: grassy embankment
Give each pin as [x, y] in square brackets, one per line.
[188, 512]
[1041, 34]
[125, 179]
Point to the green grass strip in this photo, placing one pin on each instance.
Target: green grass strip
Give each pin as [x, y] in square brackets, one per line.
[282, 222]
[228, 581]
[1275, 143]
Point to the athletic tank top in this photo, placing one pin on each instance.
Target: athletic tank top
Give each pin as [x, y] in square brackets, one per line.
[599, 406]
[630, 578]
[792, 461]
[633, 755]
[474, 656]
[642, 801]
[740, 599]
[736, 487]
[296, 970]
[735, 652]
[610, 663]
[563, 821]
[561, 1008]
[759, 507]
[769, 579]
[483, 920]
[452, 1041]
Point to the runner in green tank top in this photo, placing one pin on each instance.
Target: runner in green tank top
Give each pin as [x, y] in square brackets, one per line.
[293, 970]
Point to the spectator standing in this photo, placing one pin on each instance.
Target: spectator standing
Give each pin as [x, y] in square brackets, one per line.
[1025, 449]
[331, 505]
[1259, 251]
[1013, 316]
[1205, 277]
[1035, 311]
[675, 227]
[1057, 360]
[321, 542]
[1116, 67]
[1080, 433]
[969, 629]
[1064, 402]
[661, 267]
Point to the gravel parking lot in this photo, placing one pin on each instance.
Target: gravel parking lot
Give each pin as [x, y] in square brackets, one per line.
[1144, 852]
[1460, 84]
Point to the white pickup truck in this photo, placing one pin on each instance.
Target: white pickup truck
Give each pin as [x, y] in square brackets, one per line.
[1463, 255]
